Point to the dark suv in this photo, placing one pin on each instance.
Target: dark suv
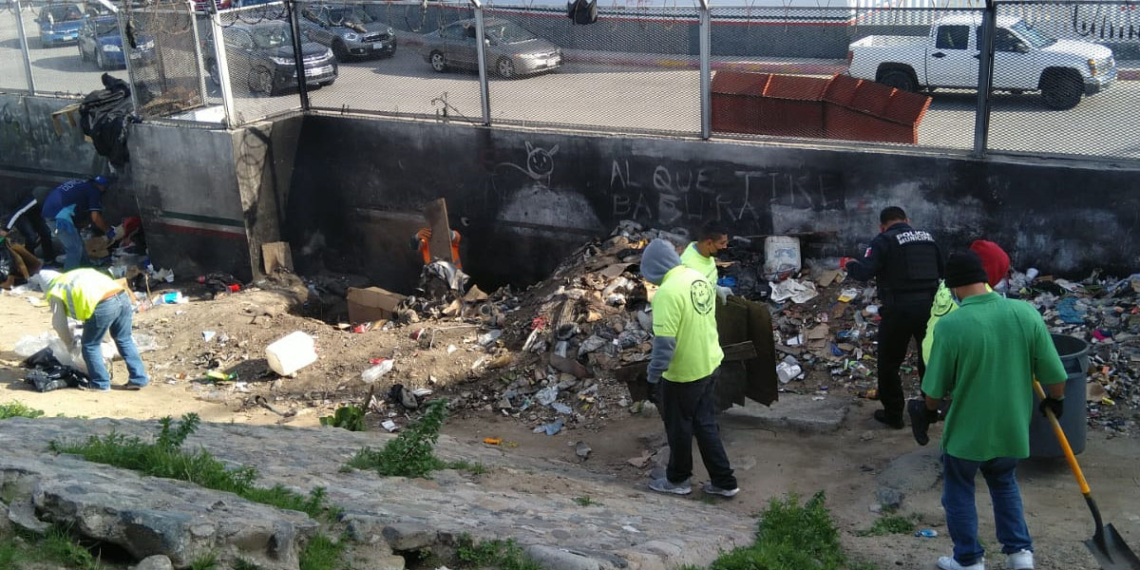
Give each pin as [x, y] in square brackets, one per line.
[260, 57]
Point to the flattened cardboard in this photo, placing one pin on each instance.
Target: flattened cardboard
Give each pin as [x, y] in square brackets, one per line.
[371, 304]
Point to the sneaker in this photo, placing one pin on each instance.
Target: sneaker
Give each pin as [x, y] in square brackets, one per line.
[714, 490]
[134, 387]
[881, 416]
[948, 563]
[1022, 560]
[663, 485]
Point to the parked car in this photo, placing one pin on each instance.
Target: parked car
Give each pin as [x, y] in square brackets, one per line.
[59, 24]
[511, 50]
[349, 30]
[100, 40]
[1025, 60]
[262, 54]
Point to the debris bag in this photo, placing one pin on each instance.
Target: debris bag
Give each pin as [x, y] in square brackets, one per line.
[105, 116]
[48, 374]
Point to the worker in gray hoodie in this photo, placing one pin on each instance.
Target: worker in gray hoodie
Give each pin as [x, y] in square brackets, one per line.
[683, 370]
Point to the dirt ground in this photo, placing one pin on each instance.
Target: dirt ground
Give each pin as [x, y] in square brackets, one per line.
[769, 464]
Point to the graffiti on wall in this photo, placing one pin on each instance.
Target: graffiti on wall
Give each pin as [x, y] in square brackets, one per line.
[682, 194]
[529, 201]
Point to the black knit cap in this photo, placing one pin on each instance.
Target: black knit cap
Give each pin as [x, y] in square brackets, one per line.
[964, 268]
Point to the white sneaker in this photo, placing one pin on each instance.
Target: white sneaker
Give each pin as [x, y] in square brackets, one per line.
[1020, 560]
[948, 563]
[663, 485]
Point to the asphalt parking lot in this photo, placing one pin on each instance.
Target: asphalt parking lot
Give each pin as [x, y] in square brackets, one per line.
[617, 98]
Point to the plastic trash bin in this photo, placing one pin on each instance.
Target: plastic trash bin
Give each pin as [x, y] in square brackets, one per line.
[1042, 442]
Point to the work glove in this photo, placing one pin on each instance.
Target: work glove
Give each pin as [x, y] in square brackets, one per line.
[110, 235]
[1053, 404]
[920, 420]
[723, 293]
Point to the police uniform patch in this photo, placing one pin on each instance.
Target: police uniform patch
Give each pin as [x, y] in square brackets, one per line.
[703, 296]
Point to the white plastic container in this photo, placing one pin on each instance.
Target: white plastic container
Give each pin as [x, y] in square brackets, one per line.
[291, 353]
[781, 254]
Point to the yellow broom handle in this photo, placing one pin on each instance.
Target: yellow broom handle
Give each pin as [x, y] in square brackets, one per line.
[1060, 433]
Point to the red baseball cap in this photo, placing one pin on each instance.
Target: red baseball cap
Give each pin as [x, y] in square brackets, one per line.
[994, 260]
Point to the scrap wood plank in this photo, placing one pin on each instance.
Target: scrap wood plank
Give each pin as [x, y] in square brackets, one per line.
[69, 112]
[440, 243]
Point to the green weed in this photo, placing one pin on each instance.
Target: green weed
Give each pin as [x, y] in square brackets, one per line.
[15, 409]
[241, 564]
[472, 468]
[893, 524]
[205, 562]
[497, 554]
[166, 458]
[321, 553]
[411, 453]
[585, 501]
[58, 546]
[350, 418]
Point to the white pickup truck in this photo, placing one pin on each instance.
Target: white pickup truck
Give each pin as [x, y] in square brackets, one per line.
[1024, 60]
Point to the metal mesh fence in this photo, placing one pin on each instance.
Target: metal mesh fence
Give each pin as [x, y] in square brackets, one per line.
[12, 74]
[161, 43]
[1058, 85]
[385, 55]
[635, 69]
[260, 59]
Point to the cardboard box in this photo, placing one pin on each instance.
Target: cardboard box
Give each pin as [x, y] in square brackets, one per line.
[371, 304]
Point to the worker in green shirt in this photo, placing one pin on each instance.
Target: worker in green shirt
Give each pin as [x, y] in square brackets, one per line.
[701, 254]
[985, 356]
[683, 369]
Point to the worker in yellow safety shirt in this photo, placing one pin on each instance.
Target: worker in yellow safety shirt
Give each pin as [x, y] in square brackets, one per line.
[94, 299]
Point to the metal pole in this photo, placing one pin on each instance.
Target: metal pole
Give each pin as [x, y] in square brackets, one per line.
[481, 53]
[706, 71]
[985, 78]
[24, 48]
[198, 54]
[126, 47]
[223, 67]
[298, 55]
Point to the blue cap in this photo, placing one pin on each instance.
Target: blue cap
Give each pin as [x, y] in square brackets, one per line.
[101, 180]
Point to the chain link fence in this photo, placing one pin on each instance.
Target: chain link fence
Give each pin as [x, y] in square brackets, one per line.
[1065, 75]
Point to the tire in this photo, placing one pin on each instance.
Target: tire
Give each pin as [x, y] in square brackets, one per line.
[898, 78]
[260, 81]
[327, 83]
[1061, 91]
[438, 62]
[505, 68]
[99, 61]
[340, 51]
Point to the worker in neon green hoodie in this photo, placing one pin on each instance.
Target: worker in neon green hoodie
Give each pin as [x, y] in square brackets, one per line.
[683, 370]
[701, 254]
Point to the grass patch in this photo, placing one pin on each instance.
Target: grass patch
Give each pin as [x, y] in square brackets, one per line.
[791, 536]
[497, 554]
[585, 501]
[25, 549]
[321, 553]
[15, 409]
[893, 524]
[350, 418]
[165, 458]
[472, 468]
[411, 453]
[205, 562]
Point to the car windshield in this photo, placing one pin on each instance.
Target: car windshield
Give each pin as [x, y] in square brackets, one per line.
[509, 33]
[349, 15]
[1032, 35]
[64, 12]
[272, 36]
[106, 26]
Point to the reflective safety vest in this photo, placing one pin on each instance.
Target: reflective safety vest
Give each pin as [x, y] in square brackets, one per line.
[80, 290]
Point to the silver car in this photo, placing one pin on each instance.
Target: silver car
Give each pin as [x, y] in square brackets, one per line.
[511, 50]
[349, 30]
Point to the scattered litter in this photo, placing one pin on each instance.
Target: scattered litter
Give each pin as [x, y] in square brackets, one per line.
[926, 533]
[492, 440]
[550, 428]
[389, 425]
[207, 336]
[374, 373]
[629, 528]
[291, 353]
[582, 450]
[486, 339]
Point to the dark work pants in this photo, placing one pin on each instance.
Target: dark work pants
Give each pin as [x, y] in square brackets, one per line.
[36, 233]
[688, 409]
[900, 324]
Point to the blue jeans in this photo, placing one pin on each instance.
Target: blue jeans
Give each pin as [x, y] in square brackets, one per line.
[72, 244]
[113, 314]
[962, 515]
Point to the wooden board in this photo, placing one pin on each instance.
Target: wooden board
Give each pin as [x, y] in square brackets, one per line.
[440, 244]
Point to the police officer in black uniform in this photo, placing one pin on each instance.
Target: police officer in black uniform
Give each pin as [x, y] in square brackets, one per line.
[908, 266]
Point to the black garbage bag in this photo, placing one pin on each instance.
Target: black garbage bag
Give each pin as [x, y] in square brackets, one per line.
[105, 116]
[48, 374]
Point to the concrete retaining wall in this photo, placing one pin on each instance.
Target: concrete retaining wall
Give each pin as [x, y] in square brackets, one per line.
[32, 153]
[523, 200]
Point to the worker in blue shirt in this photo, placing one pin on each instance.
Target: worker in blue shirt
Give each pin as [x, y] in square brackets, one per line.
[68, 199]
